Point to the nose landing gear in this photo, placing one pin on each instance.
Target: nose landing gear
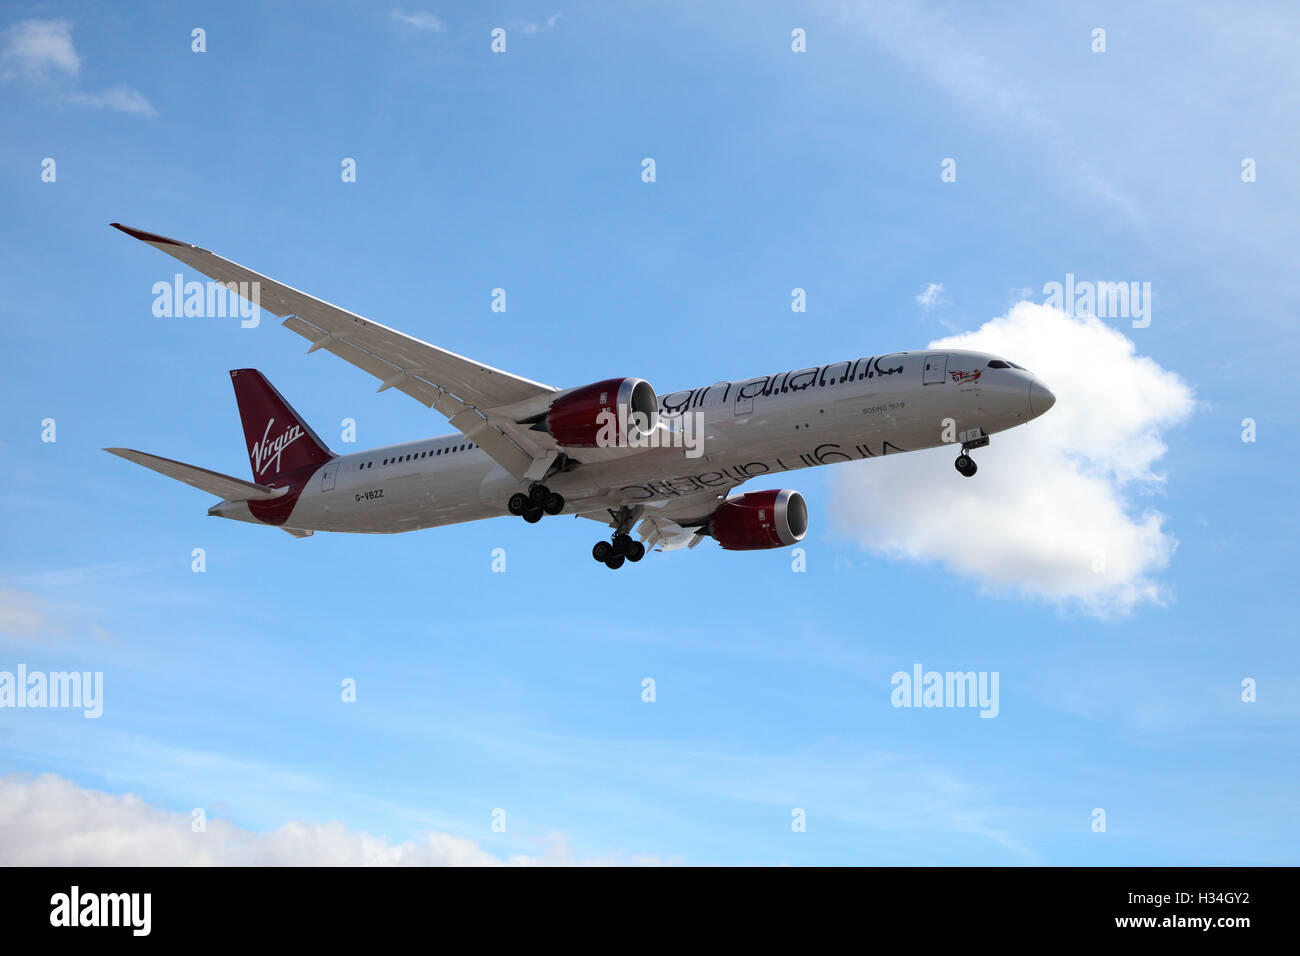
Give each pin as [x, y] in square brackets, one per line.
[965, 464]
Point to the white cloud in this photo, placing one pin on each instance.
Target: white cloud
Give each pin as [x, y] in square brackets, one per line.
[40, 54]
[35, 50]
[121, 98]
[50, 821]
[929, 296]
[420, 20]
[1051, 513]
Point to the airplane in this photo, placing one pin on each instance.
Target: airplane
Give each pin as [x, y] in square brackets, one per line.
[613, 451]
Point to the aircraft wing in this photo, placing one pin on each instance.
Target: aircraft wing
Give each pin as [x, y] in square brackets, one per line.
[460, 388]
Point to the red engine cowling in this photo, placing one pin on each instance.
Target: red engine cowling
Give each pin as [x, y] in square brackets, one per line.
[612, 412]
[760, 519]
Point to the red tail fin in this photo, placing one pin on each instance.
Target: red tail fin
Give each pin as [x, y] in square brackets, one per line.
[279, 441]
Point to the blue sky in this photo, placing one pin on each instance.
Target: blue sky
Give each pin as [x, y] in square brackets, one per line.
[522, 690]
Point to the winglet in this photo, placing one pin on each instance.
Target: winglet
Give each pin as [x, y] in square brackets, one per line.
[147, 236]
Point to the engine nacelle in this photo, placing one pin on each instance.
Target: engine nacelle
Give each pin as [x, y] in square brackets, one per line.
[611, 413]
[760, 519]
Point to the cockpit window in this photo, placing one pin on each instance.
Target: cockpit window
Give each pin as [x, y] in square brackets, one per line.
[998, 363]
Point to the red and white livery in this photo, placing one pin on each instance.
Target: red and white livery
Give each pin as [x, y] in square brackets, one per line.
[665, 467]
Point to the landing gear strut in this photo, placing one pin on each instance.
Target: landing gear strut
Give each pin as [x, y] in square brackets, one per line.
[965, 464]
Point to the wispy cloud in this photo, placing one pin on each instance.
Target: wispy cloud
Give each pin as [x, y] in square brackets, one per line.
[930, 295]
[928, 39]
[29, 619]
[87, 574]
[420, 20]
[121, 98]
[40, 55]
[532, 26]
[22, 616]
[37, 50]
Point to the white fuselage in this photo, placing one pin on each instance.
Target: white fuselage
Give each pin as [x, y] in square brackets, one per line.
[743, 430]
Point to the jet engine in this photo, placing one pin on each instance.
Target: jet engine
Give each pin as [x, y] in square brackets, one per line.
[760, 520]
[611, 413]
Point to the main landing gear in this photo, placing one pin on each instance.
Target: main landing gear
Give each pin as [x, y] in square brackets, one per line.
[614, 552]
[540, 500]
[620, 547]
[965, 464]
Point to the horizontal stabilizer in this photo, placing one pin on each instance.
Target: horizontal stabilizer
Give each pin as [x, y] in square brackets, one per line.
[213, 482]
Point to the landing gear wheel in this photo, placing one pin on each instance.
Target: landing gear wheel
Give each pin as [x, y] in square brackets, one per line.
[636, 552]
[965, 465]
[614, 562]
[602, 551]
[533, 514]
[554, 503]
[518, 503]
[538, 495]
[622, 542]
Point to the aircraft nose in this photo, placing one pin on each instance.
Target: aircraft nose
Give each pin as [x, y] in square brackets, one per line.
[1040, 398]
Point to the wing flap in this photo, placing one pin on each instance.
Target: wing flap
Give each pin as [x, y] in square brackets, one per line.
[667, 535]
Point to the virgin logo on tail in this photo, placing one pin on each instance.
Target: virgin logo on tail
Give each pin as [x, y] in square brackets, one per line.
[265, 452]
